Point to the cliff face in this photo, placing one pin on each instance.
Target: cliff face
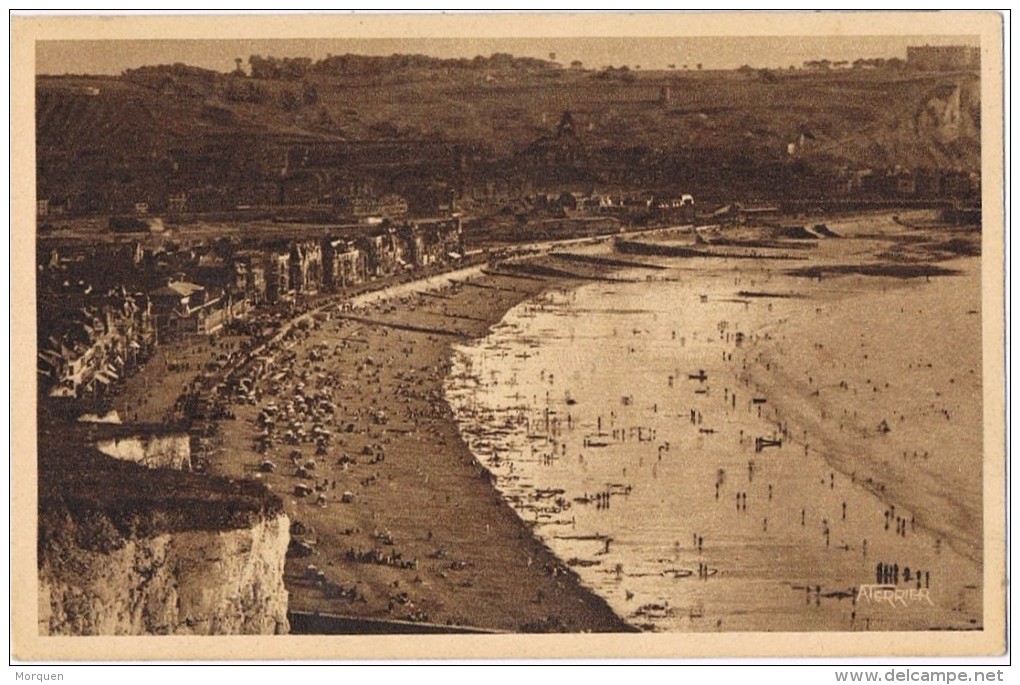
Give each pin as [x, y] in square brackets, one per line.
[189, 582]
[128, 550]
[949, 113]
[154, 451]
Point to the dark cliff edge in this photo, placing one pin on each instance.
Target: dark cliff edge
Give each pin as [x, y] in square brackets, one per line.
[128, 550]
[84, 485]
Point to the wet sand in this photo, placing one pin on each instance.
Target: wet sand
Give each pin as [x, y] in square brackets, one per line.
[826, 361]
[887, 384]
[887, 387]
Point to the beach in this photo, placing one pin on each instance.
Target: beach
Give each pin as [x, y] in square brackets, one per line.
[745, 444]
[574, 442]
[422, 535]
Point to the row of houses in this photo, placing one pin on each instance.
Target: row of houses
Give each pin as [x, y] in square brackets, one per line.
[228, 287]
[906, 182]
[182, 308]
[88, 343]
[282, 195]
[285, 270]
[89, 340]
[598, 203]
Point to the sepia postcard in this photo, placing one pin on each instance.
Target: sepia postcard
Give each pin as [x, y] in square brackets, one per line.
[510, 335]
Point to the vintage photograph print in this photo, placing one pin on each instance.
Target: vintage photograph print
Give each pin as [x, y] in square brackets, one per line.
[533, 335]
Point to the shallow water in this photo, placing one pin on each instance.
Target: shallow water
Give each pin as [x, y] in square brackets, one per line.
[590, 391]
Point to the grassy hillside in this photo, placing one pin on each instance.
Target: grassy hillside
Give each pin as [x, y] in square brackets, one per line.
[184, 128]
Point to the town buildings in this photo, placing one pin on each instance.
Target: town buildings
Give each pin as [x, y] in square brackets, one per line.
[92, 333]
[343, 264]
[183, 308]
[88, 342]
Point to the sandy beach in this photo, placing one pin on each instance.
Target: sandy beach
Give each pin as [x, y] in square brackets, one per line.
[898, 405]
[423, 536]
[884, 380]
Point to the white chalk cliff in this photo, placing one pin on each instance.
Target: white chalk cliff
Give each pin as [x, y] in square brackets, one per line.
[200, 582]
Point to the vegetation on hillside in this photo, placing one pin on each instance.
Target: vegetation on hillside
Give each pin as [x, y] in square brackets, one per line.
[351, 119]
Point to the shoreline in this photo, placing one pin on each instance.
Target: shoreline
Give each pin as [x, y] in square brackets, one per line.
[899, 356]
[472, 561]
[422, 500]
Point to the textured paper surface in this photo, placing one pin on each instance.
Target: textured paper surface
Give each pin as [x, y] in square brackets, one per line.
[30, 646]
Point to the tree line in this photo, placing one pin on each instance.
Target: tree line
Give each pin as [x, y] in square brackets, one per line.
[862, 63]
[296, 68]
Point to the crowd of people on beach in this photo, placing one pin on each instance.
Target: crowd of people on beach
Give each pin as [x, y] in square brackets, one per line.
[297, 373]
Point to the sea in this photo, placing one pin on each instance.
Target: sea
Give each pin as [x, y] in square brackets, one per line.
[617, 417]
